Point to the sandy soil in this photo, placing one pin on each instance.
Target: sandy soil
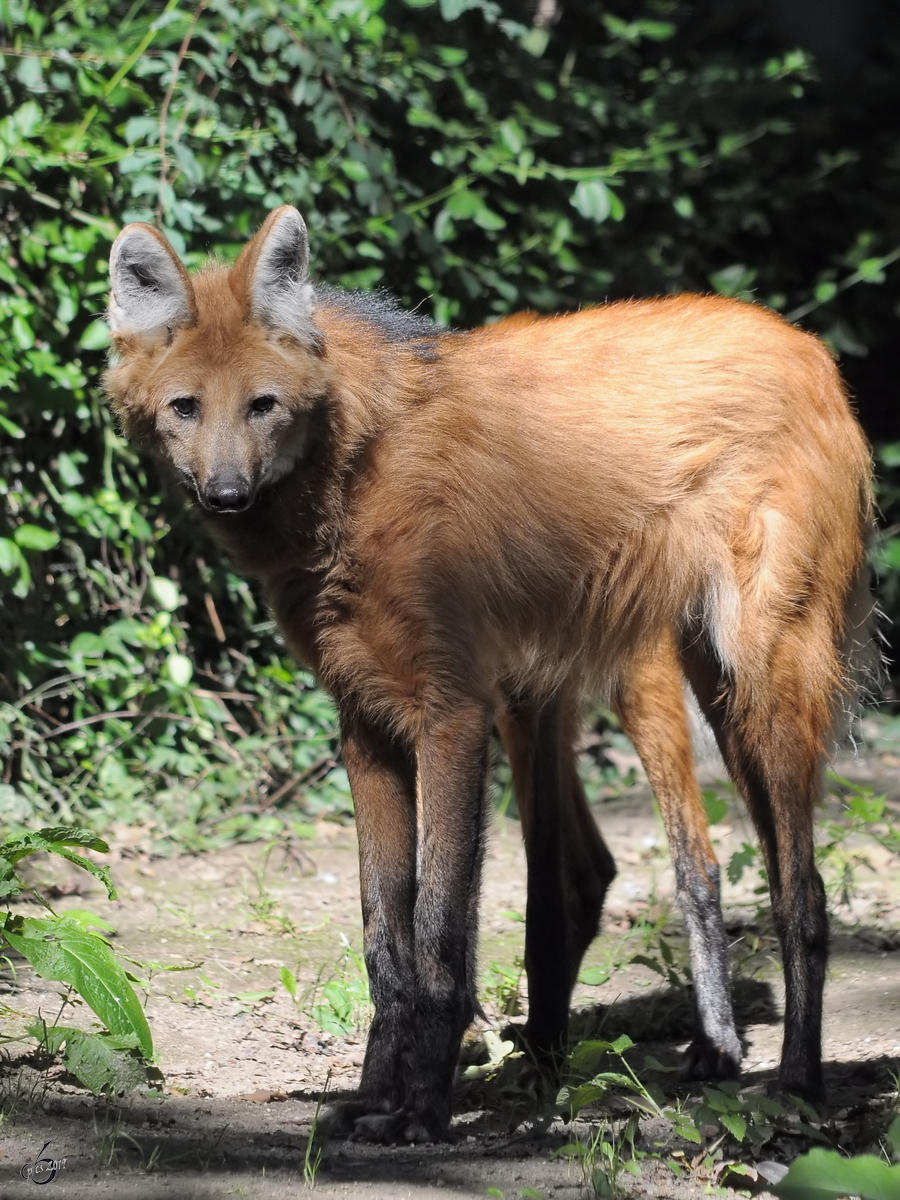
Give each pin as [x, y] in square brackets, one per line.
[245, 1064]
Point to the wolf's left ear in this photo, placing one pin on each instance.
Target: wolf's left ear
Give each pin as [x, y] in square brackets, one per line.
[150, 291]
[276, 263]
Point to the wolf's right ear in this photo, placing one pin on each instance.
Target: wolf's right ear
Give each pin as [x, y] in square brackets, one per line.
[150, 291]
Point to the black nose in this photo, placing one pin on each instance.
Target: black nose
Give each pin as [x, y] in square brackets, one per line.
[226, 495]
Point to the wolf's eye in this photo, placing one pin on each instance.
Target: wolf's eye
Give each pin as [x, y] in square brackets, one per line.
[262, 404]
[185, 406]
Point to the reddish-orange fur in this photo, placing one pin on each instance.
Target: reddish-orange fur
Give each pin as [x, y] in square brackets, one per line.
[478, 527]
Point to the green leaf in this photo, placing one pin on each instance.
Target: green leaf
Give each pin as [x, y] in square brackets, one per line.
[179, 669]
[49, 838]
[32, 537]
[10, 883]
[734, 280]
[888, 551]
[486, 218]
[686, 1129]
[104, 1063]
[825, 291]
[715, 806]
[464, 203]
[826, 1175]
[592, 198]
[871, 270]
[593, 976]
[354, 170]
[656, 31]
[893, 1138]
[86, 918]
[577, 1098]
[165, 592]
[95, 337]
[451, 9]
[23, 334]
[67, 469]
[22, 123]
[57, 840]
[867, 808]
[535, 41]
[62, 951]
[512, 914]
[740, 861]
[512, 136]
[87, 645]
[452, 56]
[735, 1124]
[11, 556]
[11, 428]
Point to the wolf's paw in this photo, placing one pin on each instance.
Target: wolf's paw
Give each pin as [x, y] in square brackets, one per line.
[402, 1127]
[703, 1059]
[340, 1119]
[804, 1083]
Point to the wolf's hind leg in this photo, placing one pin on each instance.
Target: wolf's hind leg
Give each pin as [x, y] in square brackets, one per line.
[650, 704]
[569, 864]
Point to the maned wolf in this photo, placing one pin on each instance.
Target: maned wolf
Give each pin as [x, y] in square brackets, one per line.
[458, 529]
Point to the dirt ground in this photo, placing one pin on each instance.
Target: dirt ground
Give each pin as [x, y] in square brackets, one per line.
[245, 1064]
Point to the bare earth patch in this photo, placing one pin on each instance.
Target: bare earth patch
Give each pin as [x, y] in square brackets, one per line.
[245, 1063]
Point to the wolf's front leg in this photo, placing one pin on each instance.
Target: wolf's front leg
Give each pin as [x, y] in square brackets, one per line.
[420, 867]
[452, 759]
[382, 779]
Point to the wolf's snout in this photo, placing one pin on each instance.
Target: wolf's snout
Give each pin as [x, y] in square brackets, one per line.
[226, 495]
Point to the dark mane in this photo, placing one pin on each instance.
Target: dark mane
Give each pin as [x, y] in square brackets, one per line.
[379, 308]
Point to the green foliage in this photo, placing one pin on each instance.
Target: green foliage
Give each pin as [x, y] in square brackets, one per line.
[102, 1062]
[610, 1149]
[472, 164]
[727, 1132]
[338, 1011]
[504, 991]
[840, 854]
[61, 948]
[52, 841]
[827, 1175]
[742, 1123]
[342, 1003]
[312, 1155]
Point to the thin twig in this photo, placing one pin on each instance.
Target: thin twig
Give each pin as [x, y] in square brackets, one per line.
[345, 109]
[211, 695]
[306, 776]
[214, 616]
[40, 712]
[884, 260]
[342, 103]
[122, 714]
[167, 100]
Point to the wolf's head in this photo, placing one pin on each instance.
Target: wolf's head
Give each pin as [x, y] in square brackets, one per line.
[219, 372]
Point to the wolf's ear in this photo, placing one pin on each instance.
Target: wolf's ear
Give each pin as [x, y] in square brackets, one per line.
[273, 270]
[150, 291]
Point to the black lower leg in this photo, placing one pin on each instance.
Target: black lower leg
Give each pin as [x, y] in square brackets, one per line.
[802, 926]
[546, 950]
